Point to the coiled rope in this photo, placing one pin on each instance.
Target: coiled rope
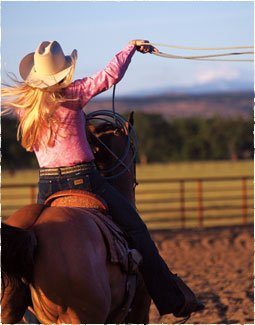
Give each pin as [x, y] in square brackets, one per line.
[117, 121]
[210, 57]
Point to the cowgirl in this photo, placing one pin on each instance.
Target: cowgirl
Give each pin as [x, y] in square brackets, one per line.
[51, 123]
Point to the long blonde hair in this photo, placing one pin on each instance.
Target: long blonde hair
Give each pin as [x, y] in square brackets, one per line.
[35, 108]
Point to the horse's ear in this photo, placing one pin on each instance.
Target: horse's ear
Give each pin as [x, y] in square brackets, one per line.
[131, 118]
[130, 121]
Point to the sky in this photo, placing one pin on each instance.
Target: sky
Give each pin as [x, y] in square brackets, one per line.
[99, 30]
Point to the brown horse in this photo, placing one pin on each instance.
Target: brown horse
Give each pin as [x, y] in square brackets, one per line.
[55, 260]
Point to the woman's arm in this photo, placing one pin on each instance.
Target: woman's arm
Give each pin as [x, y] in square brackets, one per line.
[89, 87]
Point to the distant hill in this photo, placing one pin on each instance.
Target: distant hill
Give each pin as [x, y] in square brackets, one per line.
[224, 104]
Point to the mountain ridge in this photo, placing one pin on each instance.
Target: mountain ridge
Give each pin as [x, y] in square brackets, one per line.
[224, 104]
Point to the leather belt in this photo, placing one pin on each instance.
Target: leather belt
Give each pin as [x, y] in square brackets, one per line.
[59, 171]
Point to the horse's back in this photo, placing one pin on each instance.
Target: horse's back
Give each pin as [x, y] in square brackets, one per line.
[81, 268]
[70, 278]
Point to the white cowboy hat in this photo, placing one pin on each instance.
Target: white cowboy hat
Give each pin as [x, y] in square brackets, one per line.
[47, 65]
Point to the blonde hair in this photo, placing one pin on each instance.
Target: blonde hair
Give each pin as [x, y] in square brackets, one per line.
[35, 108]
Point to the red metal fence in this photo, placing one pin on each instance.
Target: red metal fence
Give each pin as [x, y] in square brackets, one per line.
[196, 202]
[166, 203]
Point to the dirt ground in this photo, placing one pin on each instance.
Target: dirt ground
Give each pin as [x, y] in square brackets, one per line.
[217, 263]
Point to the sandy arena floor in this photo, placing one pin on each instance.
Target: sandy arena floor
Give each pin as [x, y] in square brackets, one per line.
[217, 263]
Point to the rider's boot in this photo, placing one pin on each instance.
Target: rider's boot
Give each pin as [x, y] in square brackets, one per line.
[168, 291]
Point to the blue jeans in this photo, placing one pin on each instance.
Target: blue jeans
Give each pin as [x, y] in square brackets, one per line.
[49, 185]
[155, 272]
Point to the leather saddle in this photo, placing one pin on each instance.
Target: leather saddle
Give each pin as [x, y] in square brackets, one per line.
[78, 199]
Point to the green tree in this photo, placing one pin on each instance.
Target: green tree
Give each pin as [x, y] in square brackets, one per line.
[13, 154]
[152, 131]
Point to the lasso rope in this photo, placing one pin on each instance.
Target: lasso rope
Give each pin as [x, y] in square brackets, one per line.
[210, 57]
[205, 57]
[201, 48]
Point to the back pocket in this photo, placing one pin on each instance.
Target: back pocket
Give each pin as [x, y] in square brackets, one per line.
[81, 182]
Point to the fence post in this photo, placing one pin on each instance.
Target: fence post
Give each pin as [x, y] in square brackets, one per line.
[200, 211]
[182, 202]
[244, 201]
[32, 193]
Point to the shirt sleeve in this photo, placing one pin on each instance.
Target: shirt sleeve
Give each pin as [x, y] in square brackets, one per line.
[88, 87]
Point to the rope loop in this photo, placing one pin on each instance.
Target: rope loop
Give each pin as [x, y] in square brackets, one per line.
[117, 121]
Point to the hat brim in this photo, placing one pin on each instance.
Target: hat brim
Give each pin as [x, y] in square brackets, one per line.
[34, 79]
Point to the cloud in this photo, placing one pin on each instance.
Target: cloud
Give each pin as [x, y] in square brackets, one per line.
[209, 75]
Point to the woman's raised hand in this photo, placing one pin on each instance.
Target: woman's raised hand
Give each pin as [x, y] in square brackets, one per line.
[142, 47]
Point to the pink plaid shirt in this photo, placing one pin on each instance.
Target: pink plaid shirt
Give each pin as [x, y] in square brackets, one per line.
[71, 146]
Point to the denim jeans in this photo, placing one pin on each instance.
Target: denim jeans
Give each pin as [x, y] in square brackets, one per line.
[49, 185]
[154, 270]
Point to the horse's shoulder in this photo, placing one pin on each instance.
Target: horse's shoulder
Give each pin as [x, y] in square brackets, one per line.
[26, 216]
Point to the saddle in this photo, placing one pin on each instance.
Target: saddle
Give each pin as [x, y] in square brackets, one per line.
[77, 198]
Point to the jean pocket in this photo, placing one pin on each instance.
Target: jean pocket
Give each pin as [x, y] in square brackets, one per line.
[81, 182]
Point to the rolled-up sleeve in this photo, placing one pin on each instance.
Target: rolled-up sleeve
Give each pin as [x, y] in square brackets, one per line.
[88, 87]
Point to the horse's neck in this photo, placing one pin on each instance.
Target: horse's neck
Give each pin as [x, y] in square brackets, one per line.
[115, 142]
